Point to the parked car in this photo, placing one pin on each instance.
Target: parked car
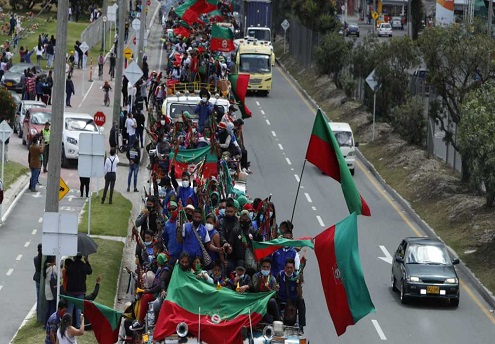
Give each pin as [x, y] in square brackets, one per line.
[74, 125]
[11, 79]
[422, 268]
[352, 30]
[397, 23]
[23, 106]
[34, 122]
[385, 29]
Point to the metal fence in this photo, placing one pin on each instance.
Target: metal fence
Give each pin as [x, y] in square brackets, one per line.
[302, 42]
[94, 32]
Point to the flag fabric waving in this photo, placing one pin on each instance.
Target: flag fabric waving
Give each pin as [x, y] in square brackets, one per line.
[222, 312]
[222, 39]
[240, 84]
[188, 159]
[190, 10]
[104, 320]
[324, 152]
[346, 293]
[265, 248]
[184, 32]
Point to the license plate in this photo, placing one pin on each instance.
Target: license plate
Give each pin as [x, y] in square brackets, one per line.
[431, 289]
[9, 84]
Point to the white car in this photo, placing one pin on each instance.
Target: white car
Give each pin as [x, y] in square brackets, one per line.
[345, 139]
[385, 29]
[74, 125]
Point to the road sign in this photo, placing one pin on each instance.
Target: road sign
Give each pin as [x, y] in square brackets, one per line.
[63, 189]
[100, 119]
[91, 155]
[5, 131]
[128, 53]
[105, 19]
[84, 47]
[374, 15]
[133, 73]
[59, 234]
[342, 7]
[372, 82]
[136, 24]
[285, 25]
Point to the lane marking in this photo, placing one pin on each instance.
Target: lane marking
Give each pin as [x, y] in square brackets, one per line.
[288, 161]
[320, 220]
[10, 272]
[308, 198]
[27, 243]
[40, 220]
[305, 101]
[267, 122]
[262, 112]
[378, 329]
[1, 287]
[297, 178]
[86, 95]
[274, 134]
[34, 231]
[258, 103]
[19, 257]
[388, 256]
[314, 208]
[280, 146]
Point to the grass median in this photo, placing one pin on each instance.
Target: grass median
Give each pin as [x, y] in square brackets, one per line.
[12, 171]
[105, 262]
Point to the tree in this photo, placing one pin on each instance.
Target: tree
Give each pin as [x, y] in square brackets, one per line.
[333, 55]
[408, 120]
[417, 14]
[7, 106]
[317, 15]
[477, 139]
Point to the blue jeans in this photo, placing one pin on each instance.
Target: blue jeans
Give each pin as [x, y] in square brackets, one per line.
[132, 138]
[50, 309]
[76, 318]
[133, 169]
[35, 172]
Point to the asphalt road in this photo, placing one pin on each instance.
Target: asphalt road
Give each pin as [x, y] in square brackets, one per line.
[277, 138]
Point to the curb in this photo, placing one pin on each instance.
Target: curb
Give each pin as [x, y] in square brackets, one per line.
[18, 188]
[487, 295]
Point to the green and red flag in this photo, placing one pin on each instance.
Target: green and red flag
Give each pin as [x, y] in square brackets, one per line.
[324, 152]
[191, 10]
[346, 293]
[104, 320]
[219, 314]
[182, 31]
[222, 39]
[189, 159]
[265, 248]
[240, 84]
[215, 16]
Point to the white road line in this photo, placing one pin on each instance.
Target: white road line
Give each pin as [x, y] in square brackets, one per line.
[314, 208]
[280, 146]
[288, 161]
[308, 198]
[262, 112]
[34, 231]
[258, 103]
[86, 95]
[10, 272]
[388, 256]
[19, 257]
[378, 329]
[40, 220]
[274, 134]
[320, 220]
[1, 287]
[27, 243]
[297, 178]
[268, 122]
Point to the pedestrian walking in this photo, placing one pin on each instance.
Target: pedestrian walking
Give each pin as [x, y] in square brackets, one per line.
[134, 156]
[69, 90]
[34, 158]
[84, 185]
[110, 175]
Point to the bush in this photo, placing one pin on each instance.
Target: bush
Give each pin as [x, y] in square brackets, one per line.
[7, 106]
[349, 85]
[410, 122]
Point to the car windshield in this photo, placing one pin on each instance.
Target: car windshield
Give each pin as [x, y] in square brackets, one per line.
[176, 109]
[255, 63]
[80, 124]
[41, 117]
[427, 254]
[386, 26]
[18, 68]
[344, 138]
[260, 35]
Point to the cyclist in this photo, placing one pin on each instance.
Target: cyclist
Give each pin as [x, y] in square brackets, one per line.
[101, 62]
[106, 89]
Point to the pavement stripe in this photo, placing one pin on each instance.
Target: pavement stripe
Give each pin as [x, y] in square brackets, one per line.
[378, 329]
[280, 146]
[19, 257]
[320, 220]
[34, 231]
[27, 243]
[262, 112]
[297, 178]
[308, 198]
[10, 272]
[314, 208]
[274, 134]
[258, 103]
[40, 220]
[1, 287]
[288, 161]
[268, 122]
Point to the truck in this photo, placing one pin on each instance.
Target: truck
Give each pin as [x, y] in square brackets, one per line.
[258, 19]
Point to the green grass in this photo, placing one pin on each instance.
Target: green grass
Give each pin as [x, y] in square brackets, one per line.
[12, 171]
[107, 219]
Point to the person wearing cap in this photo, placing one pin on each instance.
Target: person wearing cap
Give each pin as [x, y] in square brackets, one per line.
[147, 219]
[239, 280]
[264, 281]
[167, 192]
[241, 240]
[45, 134]
[189, 209]
[169, 233]
[185, 192]
[204, 109]
[282, 254]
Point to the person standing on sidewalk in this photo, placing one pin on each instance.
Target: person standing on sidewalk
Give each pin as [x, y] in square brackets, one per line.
[131, 125]
[45, 132]
[69, 90]
[34, 158]
[37, 276]
[134, 156]
[110, 175]
[113, 139]
[77, 271]
[140, 119]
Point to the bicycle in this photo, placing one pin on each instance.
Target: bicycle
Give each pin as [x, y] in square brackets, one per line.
[100, 72]
[106, 100]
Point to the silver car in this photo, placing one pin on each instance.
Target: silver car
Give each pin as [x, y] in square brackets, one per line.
[385, 29]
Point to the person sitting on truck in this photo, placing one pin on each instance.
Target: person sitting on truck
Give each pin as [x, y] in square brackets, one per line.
[204, 109]
[264, 281]
[280, 256]
[290, 295]
[185, 192]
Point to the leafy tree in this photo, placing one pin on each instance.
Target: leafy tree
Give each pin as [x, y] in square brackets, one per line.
[365, 56]
[318, 15]
[409, 121]
[7, 106]
[458, 62]
[417, 14]
[477, 139]
[332, 56]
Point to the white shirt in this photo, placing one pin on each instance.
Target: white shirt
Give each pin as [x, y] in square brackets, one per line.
[66, 339]
[111, 164]
[129, 125]
[48, 291]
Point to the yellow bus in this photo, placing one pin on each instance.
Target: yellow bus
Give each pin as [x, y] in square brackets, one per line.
[256, 59]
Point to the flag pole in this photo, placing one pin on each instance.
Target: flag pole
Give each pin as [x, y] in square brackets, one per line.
[297, 192]
[199, 325]
[250, 324]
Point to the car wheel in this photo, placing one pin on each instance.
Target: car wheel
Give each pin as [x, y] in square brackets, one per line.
[352, 172]
[403, 298]
[454, 302]
[23, 142]
[65, 161]
[394, 288]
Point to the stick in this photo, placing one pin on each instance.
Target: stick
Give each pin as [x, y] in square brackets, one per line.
[251, 324]
[297, 193]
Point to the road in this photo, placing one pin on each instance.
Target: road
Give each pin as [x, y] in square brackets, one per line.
[283, 122]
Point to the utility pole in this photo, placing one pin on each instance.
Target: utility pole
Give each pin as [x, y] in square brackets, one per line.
[120, 61]
[373, 21]
[104, 9]
[409, 20]
[490, 17]
[142, 29]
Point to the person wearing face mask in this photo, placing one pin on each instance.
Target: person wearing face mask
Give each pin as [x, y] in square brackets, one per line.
[197, 269]
[213, 204]
[252, 214]
[185, 192]
[169, 233]
[189, 210]
[167, 193]
[241, 240]
[145, 254]
[210, 225]
[185, 261]
[163, 150]
[204, 109]
[148, 217]
[264, 281]
[280, 256]
[227, 219]
[239, 280]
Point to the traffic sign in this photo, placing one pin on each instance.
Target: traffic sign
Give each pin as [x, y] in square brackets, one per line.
[285, 24]
[136, 24]
[374, 15]
[372, 82]
[128, 53]
[5, 131]
[84, 47]
[63, 189]
[100, 119]
[133, 73]
[105, 19]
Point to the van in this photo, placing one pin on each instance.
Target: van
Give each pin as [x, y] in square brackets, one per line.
[345, 139]
[74, 125]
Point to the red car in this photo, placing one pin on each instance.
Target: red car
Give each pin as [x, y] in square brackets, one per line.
[34, 122]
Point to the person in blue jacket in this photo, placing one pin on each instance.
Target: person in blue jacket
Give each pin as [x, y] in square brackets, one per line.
[185, 192]
[204, 109]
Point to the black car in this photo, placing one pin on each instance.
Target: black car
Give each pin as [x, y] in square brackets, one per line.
[352, 29]
[12, 78]
[422, 268]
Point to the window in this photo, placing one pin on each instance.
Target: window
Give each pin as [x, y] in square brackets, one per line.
[255, 63]
[344, 138]
[427, 254]
[80, 124]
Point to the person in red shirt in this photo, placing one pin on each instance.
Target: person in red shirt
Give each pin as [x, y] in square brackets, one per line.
[30, 87]
[195, 66]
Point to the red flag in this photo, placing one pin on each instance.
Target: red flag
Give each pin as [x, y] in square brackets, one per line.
[182, 31]
[240, 84]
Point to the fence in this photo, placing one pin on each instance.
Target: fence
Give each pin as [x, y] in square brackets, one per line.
[93, 34]
[302, 42]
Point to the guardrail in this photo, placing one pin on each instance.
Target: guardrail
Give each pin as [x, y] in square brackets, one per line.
[93, 34]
